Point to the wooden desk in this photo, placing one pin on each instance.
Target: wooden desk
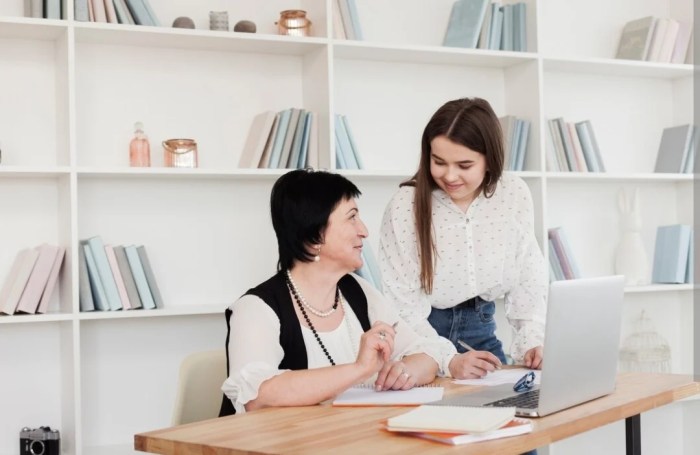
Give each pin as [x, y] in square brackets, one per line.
[325, 429]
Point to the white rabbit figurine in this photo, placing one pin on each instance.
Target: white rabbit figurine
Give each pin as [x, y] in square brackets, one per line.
[630, 257]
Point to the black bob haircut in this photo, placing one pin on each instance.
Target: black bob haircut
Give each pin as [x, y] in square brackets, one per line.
[300, 204]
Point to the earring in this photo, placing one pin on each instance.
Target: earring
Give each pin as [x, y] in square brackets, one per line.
[318, 254]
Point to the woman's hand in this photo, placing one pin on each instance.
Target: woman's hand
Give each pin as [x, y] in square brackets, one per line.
[395, 376]
[533, 358]
[473, 364]
[376, 346]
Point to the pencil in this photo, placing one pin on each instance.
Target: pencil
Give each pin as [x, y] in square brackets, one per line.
[466, 346]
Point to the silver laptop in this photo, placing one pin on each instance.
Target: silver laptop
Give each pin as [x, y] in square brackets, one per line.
[582, 338]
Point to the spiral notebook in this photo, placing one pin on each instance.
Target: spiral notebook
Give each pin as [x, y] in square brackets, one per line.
[365, 395]
[452, 419]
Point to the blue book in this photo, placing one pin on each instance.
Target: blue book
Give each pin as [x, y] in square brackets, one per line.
[507, 40]
[522, 144]
[151, 13]
[586, 147]
[339, 160]
[138, 11]
[513, 145]
[465, 22]
[140, 279]
[567, 146]
[105, 272]
[495, 35]
[671, 254]
[689, 162]
[345, 146]
[355, 19]
[301, 164]
[690, 268]
[277, 145]
[150, 276]
[371, 263]
[554, 262]
[355, 150]
[520, 35]
[98, 293]
[292, 162]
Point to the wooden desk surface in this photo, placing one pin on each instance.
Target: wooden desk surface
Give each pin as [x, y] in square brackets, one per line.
[327, 429]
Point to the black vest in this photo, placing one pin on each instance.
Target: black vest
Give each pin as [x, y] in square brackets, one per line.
[275, 293]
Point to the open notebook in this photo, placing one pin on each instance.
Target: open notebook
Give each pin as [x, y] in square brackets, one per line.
[455, 419]
[365, 395]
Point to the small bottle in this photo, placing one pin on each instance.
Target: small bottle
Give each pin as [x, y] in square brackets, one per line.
[139, 148]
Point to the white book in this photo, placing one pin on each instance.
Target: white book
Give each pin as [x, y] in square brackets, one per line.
[669, 41]
[680, 50]
[17, 279]
[657, 40]
[258, 137]
[29, 302]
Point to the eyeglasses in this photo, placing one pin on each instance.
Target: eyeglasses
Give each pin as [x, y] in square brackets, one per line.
[525, 383]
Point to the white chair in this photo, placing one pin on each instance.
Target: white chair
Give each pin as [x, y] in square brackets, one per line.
[199, 387]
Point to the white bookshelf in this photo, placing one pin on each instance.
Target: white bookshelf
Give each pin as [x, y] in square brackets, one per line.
[71, 92]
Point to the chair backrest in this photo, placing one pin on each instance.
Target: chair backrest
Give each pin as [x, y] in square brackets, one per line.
[199, 387]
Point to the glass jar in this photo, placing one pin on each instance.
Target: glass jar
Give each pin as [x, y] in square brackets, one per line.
[180, 153]
[293, 22]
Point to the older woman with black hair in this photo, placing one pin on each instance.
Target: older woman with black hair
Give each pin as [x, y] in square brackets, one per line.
[315, 329]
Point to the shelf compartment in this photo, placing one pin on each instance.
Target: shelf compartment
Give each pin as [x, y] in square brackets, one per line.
[621, 68]
[32, 28]
[183, 310]
[594, 177]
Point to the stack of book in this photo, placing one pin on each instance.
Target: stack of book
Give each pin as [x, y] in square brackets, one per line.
[562, 263]
[31, 282]
[515, 135]
[278, 140]
[46, 9]
[346, 21]
[135, 12]
[657, 40]
[572, 147]
[673, 255]
[487, 25]
[370, 270]
[116, 277]
[459, 424]
[677, 150]
[347, 156]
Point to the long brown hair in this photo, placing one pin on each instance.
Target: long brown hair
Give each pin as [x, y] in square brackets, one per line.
[472, 123]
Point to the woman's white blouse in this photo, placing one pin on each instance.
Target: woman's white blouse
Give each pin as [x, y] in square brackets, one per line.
[490, 251]
[255, 352]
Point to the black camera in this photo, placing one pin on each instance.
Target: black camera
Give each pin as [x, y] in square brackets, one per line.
[39, 441]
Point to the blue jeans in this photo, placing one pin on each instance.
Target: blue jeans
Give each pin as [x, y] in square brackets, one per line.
[472, 322]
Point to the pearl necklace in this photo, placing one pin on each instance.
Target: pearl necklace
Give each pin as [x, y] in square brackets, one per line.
[300, 298]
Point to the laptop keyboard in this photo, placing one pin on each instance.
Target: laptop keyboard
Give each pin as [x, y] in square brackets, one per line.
[526, 400]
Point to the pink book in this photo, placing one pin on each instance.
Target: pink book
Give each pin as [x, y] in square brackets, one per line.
[110, 12]
[36, 284]
[51, 283]
[98, 9]
[114, 265]
[8, 298]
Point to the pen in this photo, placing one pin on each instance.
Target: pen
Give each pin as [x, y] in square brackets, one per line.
[394, 325]
[466, 346]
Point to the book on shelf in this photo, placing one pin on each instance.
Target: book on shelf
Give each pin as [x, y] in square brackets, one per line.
[515, 427]
[677, 150]
[267, 151]
[123, 14]
[556, 271]
[456, 419]
[99, 297]
[366, 395]
[98, 10]
[680, 50]
[110, 12]
[338, 27]
[91, 11]
[31, 295]
[636, 39]
[295, 152]
[657, 40]
[109, 285]
[564, 253]
[278, 144]
[305, 141]
[16, 280]
[80, 10]
[690, 265]
[350, 19]
[464, 24]
[507, 32]
[515, 141]
[671, 253]
[572, 147]
[258, 137]
[520, 27]
[353, 145]
[496, 30]
[140, 278]
[589, 145]
[289, 138]
[34, 8]
[485, 32]
[85, 299]
[118, 279]
[128, 277]
[370, 269]
[344, 147]
[312, 159]
[150, 276]
[51, 282]
[141, 12]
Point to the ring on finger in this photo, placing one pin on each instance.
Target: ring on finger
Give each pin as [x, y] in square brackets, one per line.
[382, 335]
[405, 374]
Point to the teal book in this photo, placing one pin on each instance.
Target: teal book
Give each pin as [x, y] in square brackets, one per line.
[98, 293]
[140, 279]
[301, 164]
[689, 164]
[372, 265]
[520, 29]
[567, 146]
[495, 35]
[465, 22]
[522, 144]
[690, 268]
[151, 14]
[138, 11]
[339, 160]
[586, 147]
[289, 138]
[85, 299]
[673, 149]
[150, 276]
[355, 19]
[507, 41]
[671, 254]
[293, 161]
[97, 248]
[276, 152]
[128, 277]
[353, 144]
[554, 262]
[513, 146]
[345, 146]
